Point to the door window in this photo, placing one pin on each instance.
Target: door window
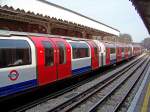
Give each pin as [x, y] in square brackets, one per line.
[95, 49]
[62, 52]
[112, 50]
[49, 53]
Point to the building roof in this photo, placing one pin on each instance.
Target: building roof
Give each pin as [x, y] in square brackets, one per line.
[143, 8]
[52, 10]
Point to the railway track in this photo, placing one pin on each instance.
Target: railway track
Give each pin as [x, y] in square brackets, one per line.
[116, 96]
[76, 102]
[98, 93]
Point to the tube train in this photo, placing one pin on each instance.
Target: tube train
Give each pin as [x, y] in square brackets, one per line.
[30, 60]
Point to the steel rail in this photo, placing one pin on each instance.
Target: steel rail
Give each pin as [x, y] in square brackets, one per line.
[127, 94]
[96, 106]
[59, 93]
[75, 101]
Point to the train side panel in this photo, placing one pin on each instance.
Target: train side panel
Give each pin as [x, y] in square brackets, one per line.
[130, 51]
[126, 52]
[119, 52]
[107, 56]
[46, 60]
[101, 52]
[63, 58]
[110, 53]
[81, 57]
[17, 65]
[94, 55]
[113, 55]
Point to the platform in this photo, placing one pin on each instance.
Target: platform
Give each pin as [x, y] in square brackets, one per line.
[141, 101]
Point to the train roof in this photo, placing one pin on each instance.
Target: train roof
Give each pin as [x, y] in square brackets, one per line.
[16, 33]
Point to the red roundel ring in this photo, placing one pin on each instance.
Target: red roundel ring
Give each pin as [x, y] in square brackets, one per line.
[13, 75]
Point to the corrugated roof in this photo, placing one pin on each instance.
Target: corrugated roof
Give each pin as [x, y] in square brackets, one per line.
[143, 8]
[52, 10]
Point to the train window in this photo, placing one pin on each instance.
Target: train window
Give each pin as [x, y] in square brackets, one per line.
[112, 50]
[62, 52]
[79, 50]
[14, 53]
[49, 53]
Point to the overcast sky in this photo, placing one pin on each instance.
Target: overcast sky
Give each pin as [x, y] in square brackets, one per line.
[120, 14]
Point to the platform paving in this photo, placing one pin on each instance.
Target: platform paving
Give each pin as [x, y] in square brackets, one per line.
[141, 101]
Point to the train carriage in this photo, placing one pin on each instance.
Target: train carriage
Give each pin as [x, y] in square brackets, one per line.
[94, 54]
[130, 51]
[126, 51]
[28, 61]
[123, 51]
[101, 52]
[119, 52]
[110, 53]
[53, 59]
[17, 65]
[136, 49]
[81, 57]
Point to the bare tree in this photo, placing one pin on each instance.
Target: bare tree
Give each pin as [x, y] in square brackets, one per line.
[146, 43]
[126, 37]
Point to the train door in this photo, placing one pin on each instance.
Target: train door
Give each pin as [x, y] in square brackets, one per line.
[117, 53]
[94, 55]
[102, 58]
[126, 52]
[120, 54]
[46, 60]
[107, 56]
[63, 58]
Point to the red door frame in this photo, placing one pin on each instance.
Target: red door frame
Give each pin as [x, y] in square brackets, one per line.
[49, 73]
[94, 58]
[107, 56]
[119, 54]
[63, 70]
[126, 52]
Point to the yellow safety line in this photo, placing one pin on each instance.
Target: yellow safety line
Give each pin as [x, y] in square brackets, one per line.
[146, 100]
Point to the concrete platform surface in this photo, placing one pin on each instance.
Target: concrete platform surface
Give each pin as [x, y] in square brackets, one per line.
[141, 101]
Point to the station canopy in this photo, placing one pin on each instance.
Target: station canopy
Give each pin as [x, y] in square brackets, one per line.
[52, 10]
[143, 8]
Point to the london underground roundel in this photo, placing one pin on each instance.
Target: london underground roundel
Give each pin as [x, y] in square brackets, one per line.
[13, 75]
